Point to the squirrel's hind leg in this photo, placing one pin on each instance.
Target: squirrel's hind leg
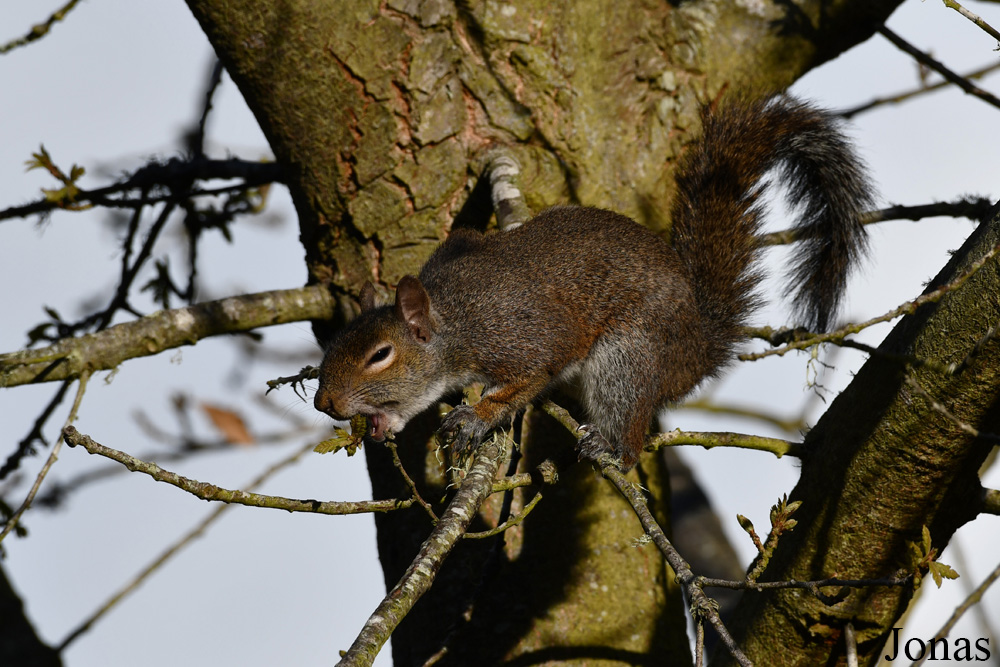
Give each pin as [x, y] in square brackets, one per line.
[620, 394]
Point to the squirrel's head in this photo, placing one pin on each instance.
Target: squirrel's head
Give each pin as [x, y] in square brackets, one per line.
[384, 363]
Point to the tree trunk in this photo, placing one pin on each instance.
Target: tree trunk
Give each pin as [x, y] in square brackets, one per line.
[382, 109]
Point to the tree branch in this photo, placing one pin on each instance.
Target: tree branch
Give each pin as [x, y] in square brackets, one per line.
[41, 29]
[420, 575]
[835, 337]
[933, 64]
[163, 330]
[207, 491]
[974, 208]
[53, 456]
[776, 446]
[975, 18]
[900, 97]
[173, 549]
[702, 607]
[175, 172]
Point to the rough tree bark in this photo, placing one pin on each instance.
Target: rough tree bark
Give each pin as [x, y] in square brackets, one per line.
[382, 110]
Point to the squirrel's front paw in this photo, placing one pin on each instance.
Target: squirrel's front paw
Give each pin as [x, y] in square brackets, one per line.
[464, 427]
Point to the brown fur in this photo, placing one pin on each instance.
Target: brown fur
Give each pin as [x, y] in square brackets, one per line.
[589, 297]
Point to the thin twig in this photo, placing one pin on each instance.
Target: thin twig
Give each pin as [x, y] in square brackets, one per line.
[174, 548]
[702, 607]
[776, 446]
[409, 482]
[986, 27]
[921, 90]
[973, 208]
[973, 598]
[214, 79]
[420, 575]
[164, 175]
[933, 64]
[796, 425]
[744, 585]
[24, 447]
[40, 30]
[53, 456]
[207, 491]
[509, 523]
[908, 308]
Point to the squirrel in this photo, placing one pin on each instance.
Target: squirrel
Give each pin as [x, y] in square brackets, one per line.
[589, 297]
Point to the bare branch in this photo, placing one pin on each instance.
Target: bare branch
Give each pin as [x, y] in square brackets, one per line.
[173, 549]
[409, 482]
[974, 208]
[802, 341]
[164, 176]
[900, 97]
[509, 523]
[420, 575]
[789, 425]
[41, 29]
[933, 64]
[991, 501]
[53, 456]
[986, 27]
[164, 330]
[207, 491]
[702, 607]
[776, 446]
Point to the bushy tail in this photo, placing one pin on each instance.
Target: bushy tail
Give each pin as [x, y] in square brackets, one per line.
[717, 213]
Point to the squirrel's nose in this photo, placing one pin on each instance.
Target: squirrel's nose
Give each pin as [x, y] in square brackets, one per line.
[325, 402]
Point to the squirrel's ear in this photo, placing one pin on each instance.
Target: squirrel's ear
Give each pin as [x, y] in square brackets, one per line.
[413, 306]
[367, 297]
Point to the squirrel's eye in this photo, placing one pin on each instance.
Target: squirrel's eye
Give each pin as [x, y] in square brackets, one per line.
[379, 355]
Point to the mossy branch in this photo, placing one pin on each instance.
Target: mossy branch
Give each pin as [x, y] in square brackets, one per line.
[163, 330]
[776, 446]
[41, 29]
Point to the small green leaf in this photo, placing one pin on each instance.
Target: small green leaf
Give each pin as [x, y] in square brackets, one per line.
[40, 160]
[340, 440]
[941, 571]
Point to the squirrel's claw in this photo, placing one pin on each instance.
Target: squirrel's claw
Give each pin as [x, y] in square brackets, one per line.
[593, 445]
[464, 427]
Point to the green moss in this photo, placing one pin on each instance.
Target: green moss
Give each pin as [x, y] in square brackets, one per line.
[403, 260]
[503, 112]
[433, 59]
[438, 172]
[378, 206]
[377, 151]
[440, 115]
